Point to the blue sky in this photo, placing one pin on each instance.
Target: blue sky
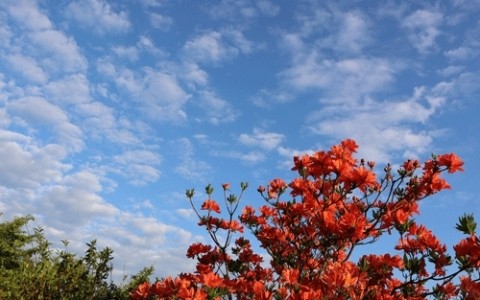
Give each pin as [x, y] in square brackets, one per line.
[109, 110]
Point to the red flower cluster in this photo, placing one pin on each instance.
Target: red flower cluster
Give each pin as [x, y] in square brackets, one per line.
[337, 205]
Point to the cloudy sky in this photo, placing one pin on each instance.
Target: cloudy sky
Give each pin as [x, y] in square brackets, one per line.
[109, 110]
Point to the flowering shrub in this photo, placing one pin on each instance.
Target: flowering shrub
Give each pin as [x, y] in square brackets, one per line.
[336, 205]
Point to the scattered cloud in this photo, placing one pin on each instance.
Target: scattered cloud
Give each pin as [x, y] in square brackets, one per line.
[193, 75]
[4, 118]
[451, 70]
[353, 34]
[101, 100]
[28, 67]
[34, 165]
[71, 89]
[423, 28]
[383, 128]
[216, 109]
[267, 8]
[267, 98]
[262, 139]
[76, 194]
[242, 9]
[61, 52]
[287, 154]
[216, 46]
[49, 50]
[461, 53]
[250, 157]
[188, 166]
[162, 97]
[36, 111]
[26, 13]
[344, 80]
[152, 3]
[97, 15]
[159, 94]
[131, 53]
[186, 213]
[464, 86]
[161, 22]
[99, 121]
[139, 166]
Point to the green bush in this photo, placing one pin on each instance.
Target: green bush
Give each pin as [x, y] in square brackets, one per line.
[30, 269]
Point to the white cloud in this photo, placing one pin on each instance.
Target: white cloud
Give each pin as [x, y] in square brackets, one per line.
[99, 121]
[216, 109]
[314, 18]
[461, 53]
[262, 139]
[214, 46]
[353, 33]
[193, 74]
[294, 44]
[28, 15]
[333, 28]
[130, 53]
[201, 138]
[287, 155]
[208, 48]
[290, 153]
[187, 213]
[126, 79]
[96, 119]
[242, 11]
[12, 136]
[152, 3]
[162, 97]
[451, 70]
[190, 167]
[377, 143]
[345, 80]
[146, 44]
[71, 89]
[160, 21]
[28, 67]
[238, 40]
[76, 195]
[159, 94]
[62, 52]
[465, 86]
[250, 158]
[4, 118]
[33, 165]
[36, 111]
[98, 16]
[139, 166]
[382, 128]
[52, 49]
[142, 240]
[266, 98]
[5, 34]
[268, 8]
[144, 204]
[423, 29]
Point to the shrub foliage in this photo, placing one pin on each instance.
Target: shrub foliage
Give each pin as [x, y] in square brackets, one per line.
[31, 270]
